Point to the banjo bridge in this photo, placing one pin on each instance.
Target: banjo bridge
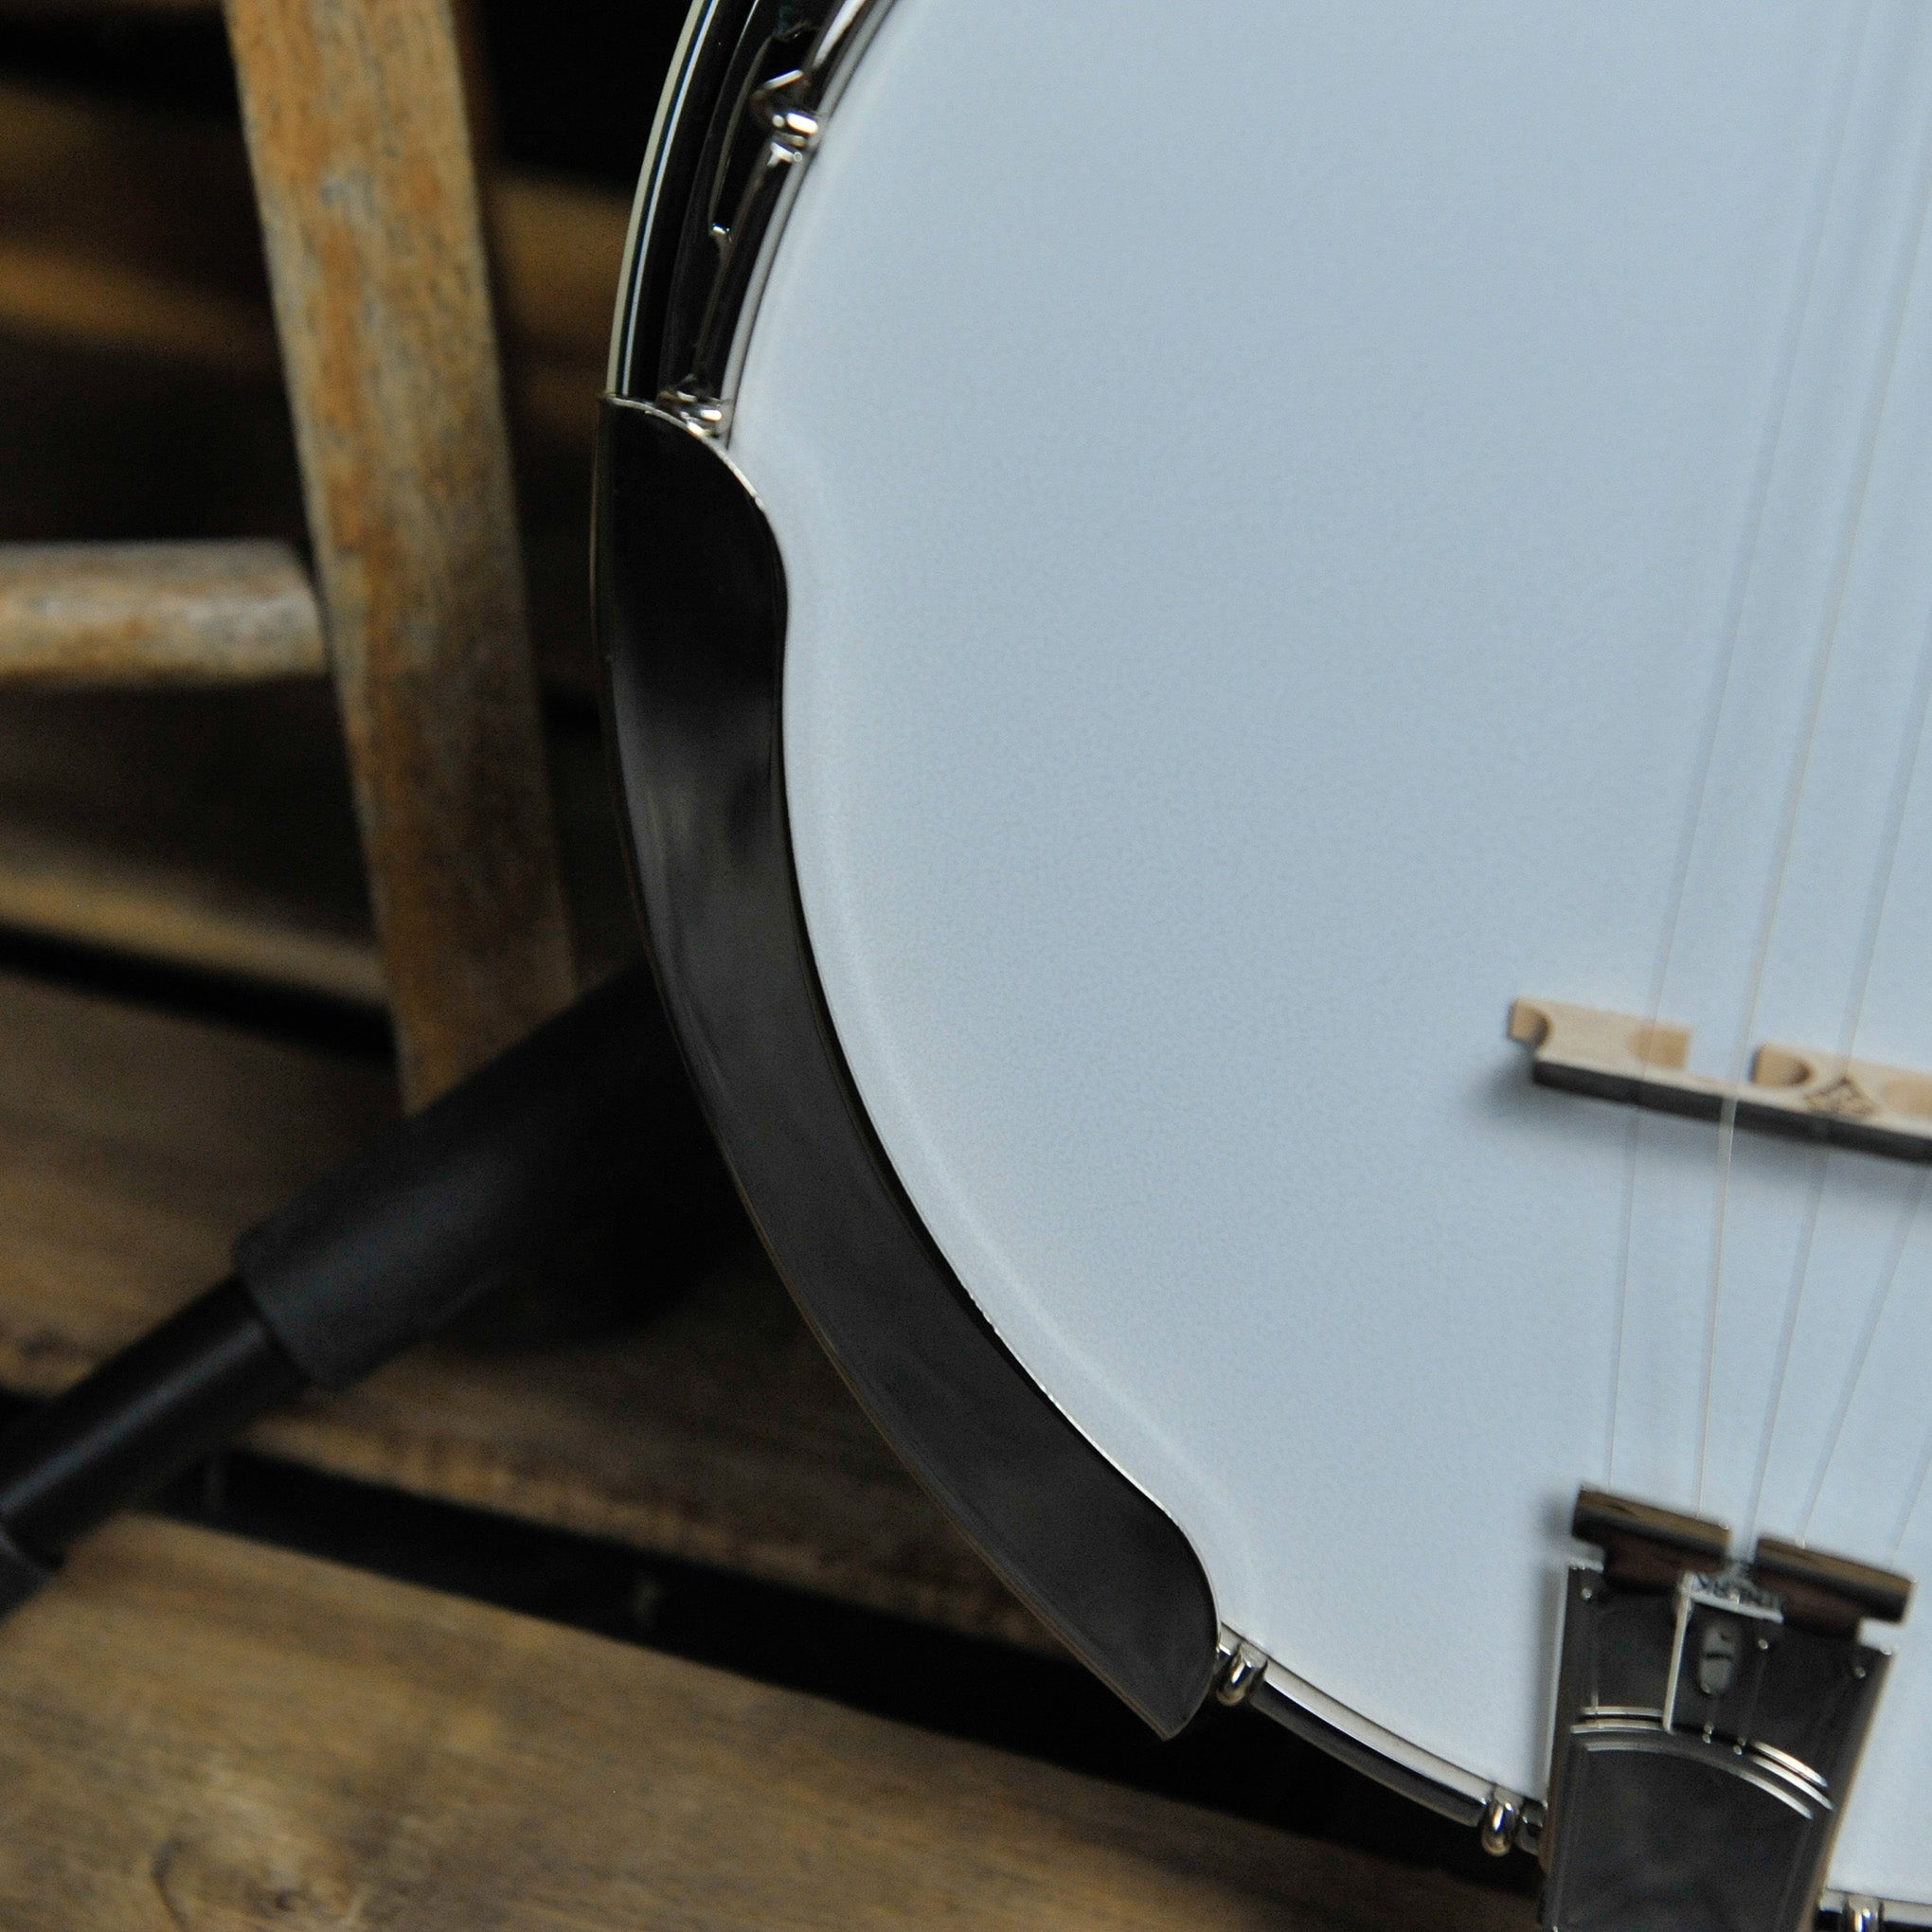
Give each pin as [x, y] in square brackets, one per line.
[1710, 1714]
[1792, 1090]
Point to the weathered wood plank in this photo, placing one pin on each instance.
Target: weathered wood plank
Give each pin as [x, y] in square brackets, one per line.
[112, 305]
[135, 232]
[211, 827]
[77, 615]
[208, 827]
[559, 249]
[354, 117]
[87, 896]
[562, 245]
[201, 1734]
[134, 1145]
[149, 199]
[90, 10]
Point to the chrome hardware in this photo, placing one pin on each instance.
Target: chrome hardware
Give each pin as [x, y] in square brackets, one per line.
[1510, 1824]
[1709, 1717]
[1861, 1915]
[1395, 1762]
[776, 107]
[1530, 1827]
[1500, 1823]
[1242, 1666]
[704, 415]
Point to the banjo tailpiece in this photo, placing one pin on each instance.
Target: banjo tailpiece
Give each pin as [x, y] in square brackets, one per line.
[1709, 1719]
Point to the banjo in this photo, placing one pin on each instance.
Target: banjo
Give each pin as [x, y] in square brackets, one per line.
[1269, 663]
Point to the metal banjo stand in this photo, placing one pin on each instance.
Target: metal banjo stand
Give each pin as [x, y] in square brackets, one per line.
[1375, 1510]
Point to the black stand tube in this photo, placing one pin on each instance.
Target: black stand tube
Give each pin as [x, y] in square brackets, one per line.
[586, 1125]
[141, 1417]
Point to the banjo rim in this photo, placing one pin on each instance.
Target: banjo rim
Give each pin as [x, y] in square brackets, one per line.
[693, 657]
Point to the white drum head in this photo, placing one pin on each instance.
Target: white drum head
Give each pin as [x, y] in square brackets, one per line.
[1305, 523]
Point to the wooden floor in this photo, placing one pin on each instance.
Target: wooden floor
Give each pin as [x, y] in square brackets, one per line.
[134, 1145]
[201, 1735]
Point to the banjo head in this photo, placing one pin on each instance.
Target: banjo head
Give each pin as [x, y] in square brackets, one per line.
[1198, 597]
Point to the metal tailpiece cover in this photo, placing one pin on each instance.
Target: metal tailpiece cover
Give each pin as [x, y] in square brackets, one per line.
[1710, 1718]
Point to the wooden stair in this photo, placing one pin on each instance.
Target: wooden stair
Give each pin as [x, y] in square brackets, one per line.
[201, 1735]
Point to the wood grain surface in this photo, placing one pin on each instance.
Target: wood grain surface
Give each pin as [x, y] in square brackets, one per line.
[81, 893]
[212, 827]
[78, 614]
[90, 10]
[200, 1735]
[134, 1145]
[559, 249]
[157, 197]
[359, 144]
[134, 231]
[113, 305]
[207, 827]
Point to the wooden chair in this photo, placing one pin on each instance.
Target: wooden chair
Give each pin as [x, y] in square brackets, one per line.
[360, 147]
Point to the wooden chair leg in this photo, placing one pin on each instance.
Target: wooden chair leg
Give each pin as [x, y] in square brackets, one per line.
[86, 616]
[357, 135]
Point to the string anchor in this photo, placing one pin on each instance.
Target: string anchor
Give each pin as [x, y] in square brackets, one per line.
[1241, 1665]
[1710, 1714]
[1501, 1819]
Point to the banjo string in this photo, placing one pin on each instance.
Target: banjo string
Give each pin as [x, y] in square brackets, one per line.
[1793, 1302]
[1905, 775]
[1743, 572]
[1913, 1498]
[1795, 790]
[1909, 1213]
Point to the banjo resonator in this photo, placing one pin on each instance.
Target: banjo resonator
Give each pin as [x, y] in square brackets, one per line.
[1792, 1090]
